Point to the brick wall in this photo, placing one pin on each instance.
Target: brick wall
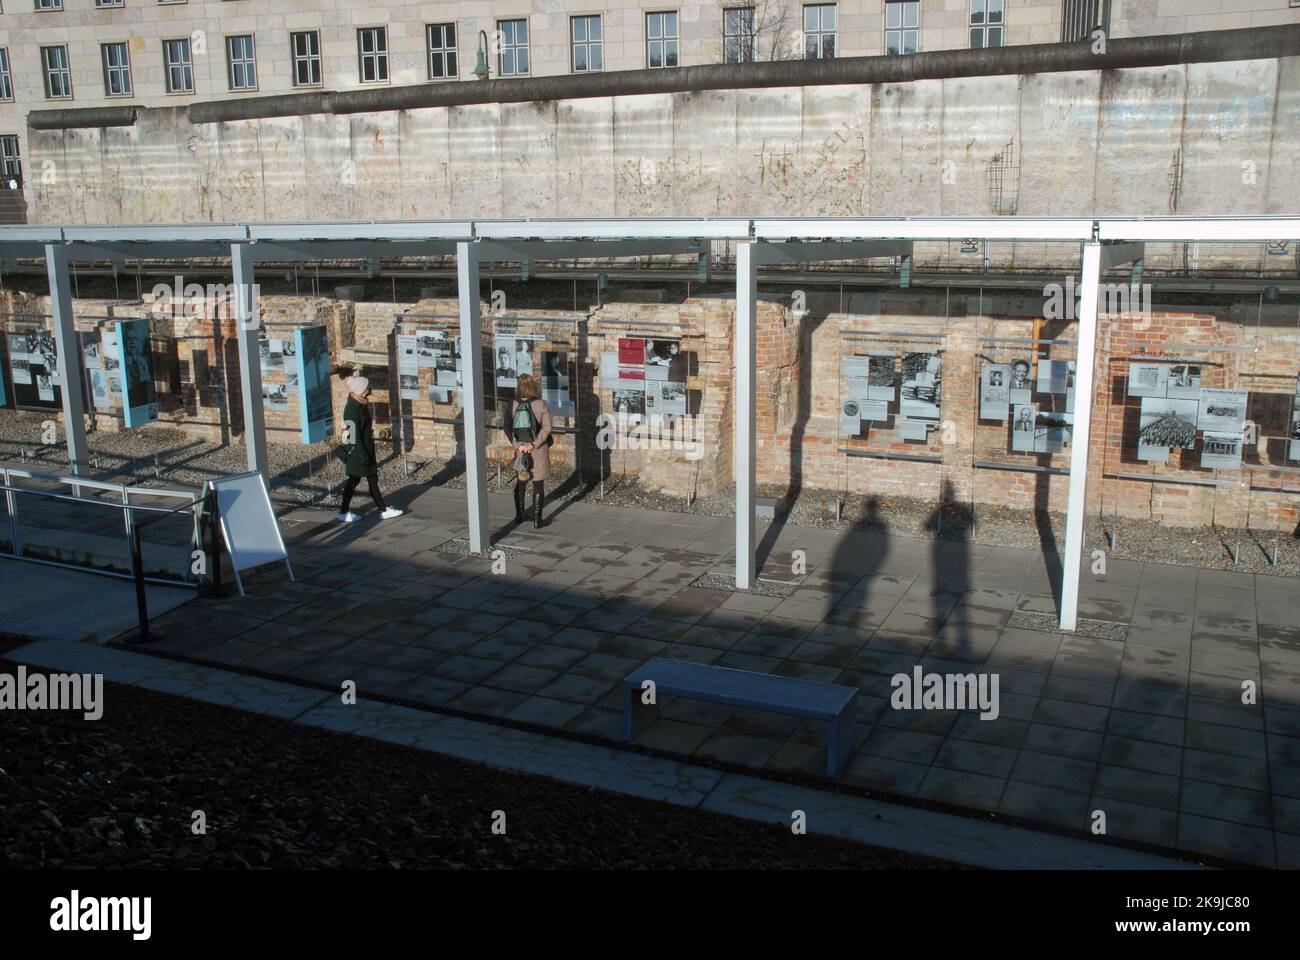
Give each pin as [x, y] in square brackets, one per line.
[799, 386]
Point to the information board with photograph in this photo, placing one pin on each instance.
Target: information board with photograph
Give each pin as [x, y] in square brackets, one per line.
[995, 391]
[34, 369]
[315, 402]
[140, 396]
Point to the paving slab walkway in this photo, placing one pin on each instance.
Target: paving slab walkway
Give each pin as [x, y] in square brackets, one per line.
[1143, 720]
[859, 819]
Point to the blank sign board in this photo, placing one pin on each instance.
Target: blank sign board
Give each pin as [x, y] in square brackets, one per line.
[248, 523]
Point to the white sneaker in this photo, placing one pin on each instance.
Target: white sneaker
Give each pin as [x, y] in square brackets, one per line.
[348, 517]
[390, 513]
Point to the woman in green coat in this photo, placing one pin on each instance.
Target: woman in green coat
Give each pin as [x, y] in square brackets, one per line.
[359, 444]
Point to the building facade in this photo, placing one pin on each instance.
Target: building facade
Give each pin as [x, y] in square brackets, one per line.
[89, 53]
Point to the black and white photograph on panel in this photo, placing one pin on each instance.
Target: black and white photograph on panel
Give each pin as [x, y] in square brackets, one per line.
[1221, 451]
[1184, 381]
[663, 359]
[1222, 411]
[922, 389]
[995, 391]
[882, 376]
[674, 397]
[506, 360]
[629, 404]
[1023, 427]
[1021, 387]
[112, 359]
[850, 418]
[556, 383]
[445, 352]
[428, 345]
[275, 396]
[1165, 424]
[1052, 431]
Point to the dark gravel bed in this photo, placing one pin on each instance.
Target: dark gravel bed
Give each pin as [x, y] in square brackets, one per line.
[308, 475]
[120, 792]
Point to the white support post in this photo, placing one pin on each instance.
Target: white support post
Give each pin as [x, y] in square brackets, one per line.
[471, 327]
[65, 337]
[1081, 435]
[247, 327]
[745, 369]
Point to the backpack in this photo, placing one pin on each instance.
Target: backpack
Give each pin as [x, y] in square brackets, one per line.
[525, 425]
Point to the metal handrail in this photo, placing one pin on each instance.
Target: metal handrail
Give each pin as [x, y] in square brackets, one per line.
[131, 527]
[99, 503]
[93, 484]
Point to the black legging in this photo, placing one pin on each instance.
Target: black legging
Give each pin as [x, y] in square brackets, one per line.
[539, 487]
[375, 495]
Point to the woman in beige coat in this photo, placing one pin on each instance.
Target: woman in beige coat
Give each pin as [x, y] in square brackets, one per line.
[529, 428]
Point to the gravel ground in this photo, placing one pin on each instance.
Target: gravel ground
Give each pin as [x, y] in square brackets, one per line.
[308, 475]
[120, 792]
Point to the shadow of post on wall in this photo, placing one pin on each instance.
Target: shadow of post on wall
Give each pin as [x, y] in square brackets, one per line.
[815, 315]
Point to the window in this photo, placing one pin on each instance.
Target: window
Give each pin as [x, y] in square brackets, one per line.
[242, 60]
[661, 39]
[179, 66]
[49, 4]
[513, 59]
[1080, 17]
[902, 26]
[306, 58]
[108, 3]
[985, 23]
[117, 69]
[442, 51]
[11, 162]
[818, 31]
[588, 44]
[6, 79]
[737, 34]
[372, 49]
[58, 76]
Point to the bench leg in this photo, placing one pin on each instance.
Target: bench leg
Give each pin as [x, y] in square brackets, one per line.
[839, 740]
[636, 715]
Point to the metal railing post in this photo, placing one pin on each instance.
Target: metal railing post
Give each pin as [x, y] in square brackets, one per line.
[12, 503]
[141, 598]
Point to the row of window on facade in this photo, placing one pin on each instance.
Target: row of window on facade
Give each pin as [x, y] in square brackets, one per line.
[741, 30]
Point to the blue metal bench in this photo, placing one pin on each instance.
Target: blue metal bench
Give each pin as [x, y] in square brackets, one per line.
[743, 688]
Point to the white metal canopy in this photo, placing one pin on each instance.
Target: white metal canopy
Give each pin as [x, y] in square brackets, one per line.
[1104, 242]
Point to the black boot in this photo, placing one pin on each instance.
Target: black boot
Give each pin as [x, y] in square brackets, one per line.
[539, 500]
[520, 516]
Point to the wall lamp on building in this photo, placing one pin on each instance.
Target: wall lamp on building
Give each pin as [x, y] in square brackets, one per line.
[480, 62]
